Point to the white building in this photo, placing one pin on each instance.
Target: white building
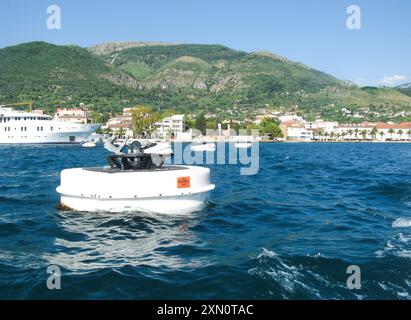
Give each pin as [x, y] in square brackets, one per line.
[291, 117]
[173, 125]
[296, 131]
[319, 124]
[299, 133]
[378, 131]
[394, 132]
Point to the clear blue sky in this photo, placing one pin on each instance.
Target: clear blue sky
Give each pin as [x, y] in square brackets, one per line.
[310, 31]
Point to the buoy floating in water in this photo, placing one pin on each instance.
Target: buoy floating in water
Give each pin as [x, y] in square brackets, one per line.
[136, 180]
[89, 144]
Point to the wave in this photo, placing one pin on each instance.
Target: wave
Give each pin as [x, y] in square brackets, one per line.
[397, 246]
[308, 277]
[401, 223]
[298, 277]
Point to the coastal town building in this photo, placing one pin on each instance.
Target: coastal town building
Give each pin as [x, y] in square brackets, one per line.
[320, 124]
[293, 117]
[170, 126]
[73, 115]
[121, 123]
[295, 129]
[38, 111]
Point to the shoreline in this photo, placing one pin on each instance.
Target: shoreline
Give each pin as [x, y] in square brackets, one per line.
[290, 141]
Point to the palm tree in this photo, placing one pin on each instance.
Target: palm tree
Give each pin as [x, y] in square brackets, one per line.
[391, 131]
[381, 134]
[409, 134]
[324, 135]
[400, 132]
[356, 132]
[120, 132]
[350, 132]
[374, 132]
[108, 130]
[364, 134]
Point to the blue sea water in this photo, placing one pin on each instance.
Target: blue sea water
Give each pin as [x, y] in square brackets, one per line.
[289, 232]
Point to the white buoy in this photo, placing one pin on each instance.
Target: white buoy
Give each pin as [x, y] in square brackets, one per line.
[89, 144]
[136, 182]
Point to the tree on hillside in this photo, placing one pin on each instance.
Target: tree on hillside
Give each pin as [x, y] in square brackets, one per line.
[273, 131]
[188, 123]
[155, 117]
[201, 123]
[99, 117]
[168, 113]
[142, 119]
[211, 124]
[270, 127]
[267, 120]
[253, 127]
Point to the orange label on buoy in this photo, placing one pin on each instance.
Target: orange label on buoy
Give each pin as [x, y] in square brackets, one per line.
[183, 182]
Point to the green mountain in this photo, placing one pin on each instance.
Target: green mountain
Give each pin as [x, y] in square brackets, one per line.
[60, 75]
[405, 88]
[185, 77]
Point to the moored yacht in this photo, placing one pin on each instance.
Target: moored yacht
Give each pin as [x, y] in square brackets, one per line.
[18, 127]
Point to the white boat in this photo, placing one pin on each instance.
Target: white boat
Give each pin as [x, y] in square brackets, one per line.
[203, 147]
[136, 181]
[89, 144]
[19, 127]
[243, 145]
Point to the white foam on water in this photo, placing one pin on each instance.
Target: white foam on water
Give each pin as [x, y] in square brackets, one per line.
[389, 245]
[403, 238]
[290, 278]
[383, 286]
[401, 223]
[379, 253]
[404, 254]
[403, 294]
[266, 253]
[398, 290]
[398, 246]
